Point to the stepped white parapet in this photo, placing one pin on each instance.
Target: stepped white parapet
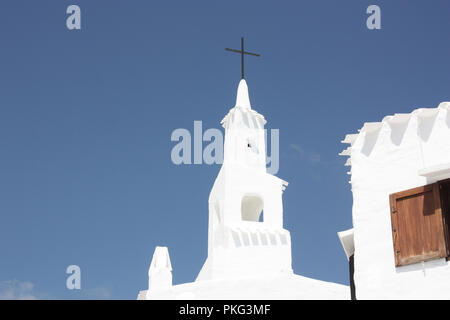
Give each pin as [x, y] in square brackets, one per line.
[419, 124]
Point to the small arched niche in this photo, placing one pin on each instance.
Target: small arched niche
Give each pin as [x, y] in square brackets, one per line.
[252, 208]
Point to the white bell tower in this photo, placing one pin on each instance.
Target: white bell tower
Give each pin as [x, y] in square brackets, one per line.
[249, 251]
[246, 235]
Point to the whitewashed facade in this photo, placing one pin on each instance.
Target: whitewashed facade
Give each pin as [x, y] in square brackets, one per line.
[401, 152]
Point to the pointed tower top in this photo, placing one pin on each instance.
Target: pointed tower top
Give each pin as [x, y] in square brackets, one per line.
[242, 98]
[161, 259]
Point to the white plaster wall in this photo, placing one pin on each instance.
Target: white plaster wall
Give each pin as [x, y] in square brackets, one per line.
[237, 137]
[272, 287]
[386, 160]
[262, 247]
[241, 181]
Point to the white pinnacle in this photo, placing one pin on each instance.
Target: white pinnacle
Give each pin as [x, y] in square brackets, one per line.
[242, 99]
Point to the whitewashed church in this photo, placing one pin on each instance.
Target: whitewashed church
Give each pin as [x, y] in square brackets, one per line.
[248, 257]
[399, 245]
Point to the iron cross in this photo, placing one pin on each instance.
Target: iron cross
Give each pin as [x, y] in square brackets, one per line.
[242, 52]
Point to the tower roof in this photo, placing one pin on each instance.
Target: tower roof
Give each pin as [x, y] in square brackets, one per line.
[243, 109]
[242, 98]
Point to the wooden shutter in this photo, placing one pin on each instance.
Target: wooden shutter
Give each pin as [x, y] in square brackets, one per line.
[417, 225]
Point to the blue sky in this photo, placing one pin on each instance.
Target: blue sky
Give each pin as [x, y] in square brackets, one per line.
[86, 117]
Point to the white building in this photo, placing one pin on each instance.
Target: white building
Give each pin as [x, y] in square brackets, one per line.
[400, 238]
[249, 251]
